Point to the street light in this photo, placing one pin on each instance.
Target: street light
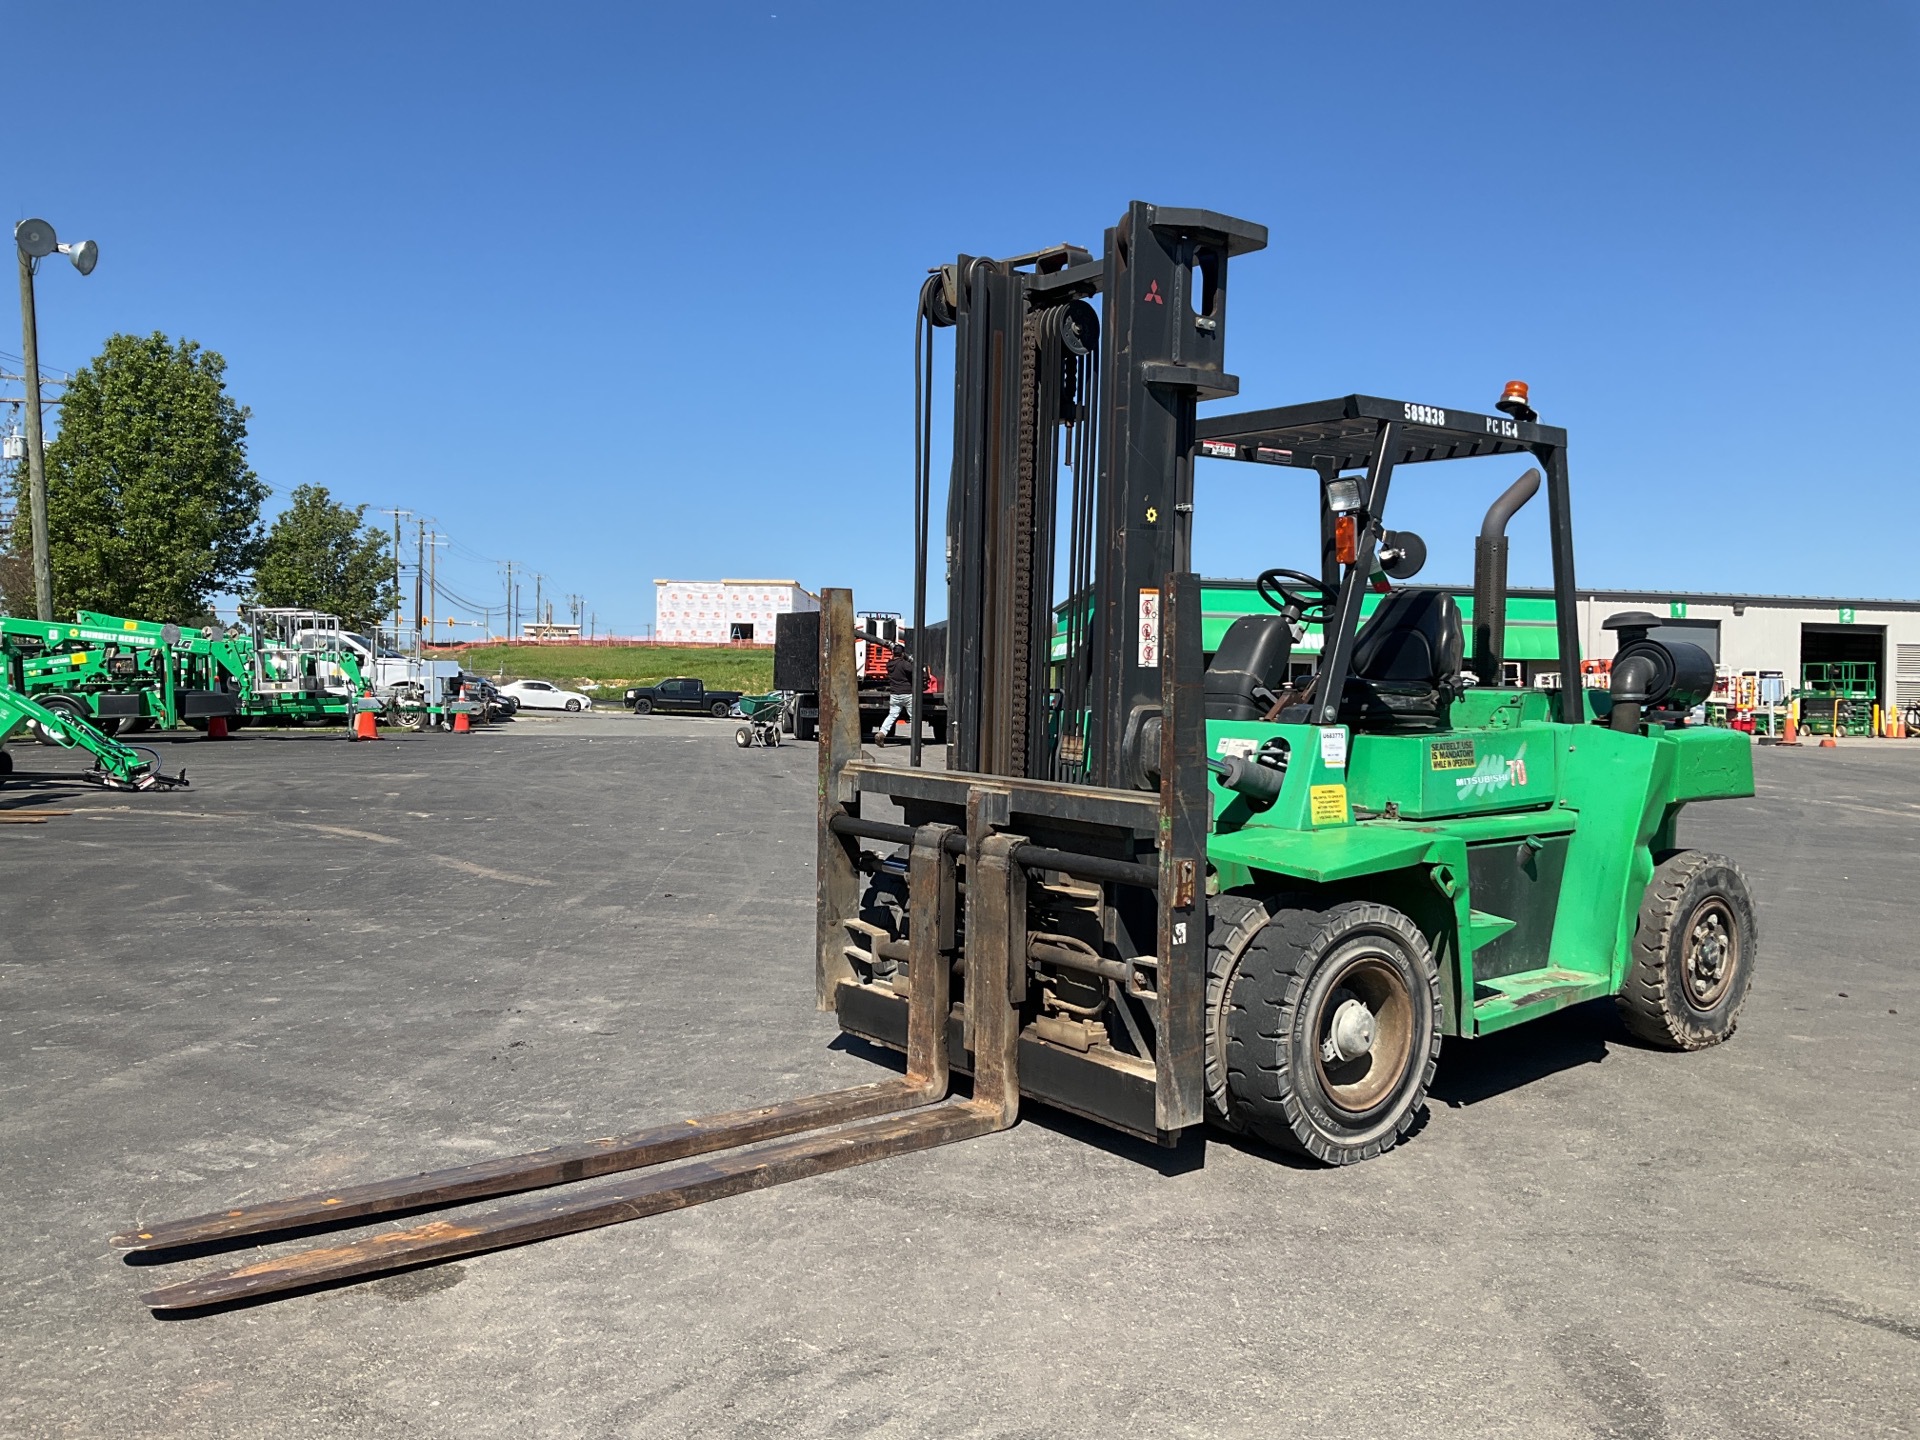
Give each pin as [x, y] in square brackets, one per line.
[35, 240]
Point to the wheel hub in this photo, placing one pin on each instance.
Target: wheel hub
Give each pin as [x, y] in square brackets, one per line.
[1350, 1036]
[1710, 953]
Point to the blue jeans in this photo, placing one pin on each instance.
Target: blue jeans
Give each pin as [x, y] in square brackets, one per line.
[897, 706]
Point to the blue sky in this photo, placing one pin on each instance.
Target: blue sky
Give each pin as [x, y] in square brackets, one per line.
[625, 291]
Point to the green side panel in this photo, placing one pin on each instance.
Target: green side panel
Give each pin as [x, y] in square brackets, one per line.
[1325, 856]
[1457, 772]
[1619, 785]
[1710, 763]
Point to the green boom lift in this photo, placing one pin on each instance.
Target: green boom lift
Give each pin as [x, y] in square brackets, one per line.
[120, 674]
[116, 766]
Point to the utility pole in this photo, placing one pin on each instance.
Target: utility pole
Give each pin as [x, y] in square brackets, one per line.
[31, 240]
[36, 455]
[537, 578]
[396, 513]
[419, 575]
[509, 620]
[433, 584]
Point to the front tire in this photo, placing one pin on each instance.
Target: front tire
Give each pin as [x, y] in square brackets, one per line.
[643, 706]
[1332, 1024]
[743, 737]
[573, 707]
[66, 707]
[1693, 953]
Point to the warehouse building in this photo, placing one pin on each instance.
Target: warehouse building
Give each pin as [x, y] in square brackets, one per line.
[1797, 642]
[714, 612]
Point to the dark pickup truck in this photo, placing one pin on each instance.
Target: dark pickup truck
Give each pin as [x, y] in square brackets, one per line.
[681, 696]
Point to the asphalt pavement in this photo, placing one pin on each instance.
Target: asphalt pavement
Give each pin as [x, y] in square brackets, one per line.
[330, 961]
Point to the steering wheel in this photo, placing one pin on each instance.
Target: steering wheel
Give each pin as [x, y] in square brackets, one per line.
[1309, 601]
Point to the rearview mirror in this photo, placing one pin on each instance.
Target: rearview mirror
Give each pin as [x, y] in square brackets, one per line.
[1403, 554]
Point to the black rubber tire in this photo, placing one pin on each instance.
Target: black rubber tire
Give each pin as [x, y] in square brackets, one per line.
[1273, 1005]
[1691, 890]
[140, 724]
[1232, 922]
[718, 709]
[743, 737]
[6, 762]
[643, 706]
[573, 707]
[805, 729]
[62, 705]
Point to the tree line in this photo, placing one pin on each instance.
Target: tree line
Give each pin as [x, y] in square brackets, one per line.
[153, 510]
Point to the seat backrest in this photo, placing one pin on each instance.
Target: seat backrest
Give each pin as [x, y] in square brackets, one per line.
[1406, 662]
[1252, 654]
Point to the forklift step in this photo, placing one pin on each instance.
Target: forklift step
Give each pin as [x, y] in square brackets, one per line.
[538, 1170]
[539, 1219]
[1510, 999]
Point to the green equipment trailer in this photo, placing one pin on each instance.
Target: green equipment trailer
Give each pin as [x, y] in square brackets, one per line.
[1157, 892]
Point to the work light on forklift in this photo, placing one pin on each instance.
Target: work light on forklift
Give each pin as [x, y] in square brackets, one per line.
[1343, 495]
[1513, 400]
[1346, 540]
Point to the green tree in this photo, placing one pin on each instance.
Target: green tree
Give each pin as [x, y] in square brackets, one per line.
[320, 556]
[151, 507]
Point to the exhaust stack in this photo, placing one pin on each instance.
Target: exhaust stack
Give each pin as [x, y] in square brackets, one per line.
[1490, 577]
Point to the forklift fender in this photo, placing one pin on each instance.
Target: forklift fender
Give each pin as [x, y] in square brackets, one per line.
[1325, 856]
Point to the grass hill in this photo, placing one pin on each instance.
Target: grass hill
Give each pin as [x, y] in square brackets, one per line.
[617, 666]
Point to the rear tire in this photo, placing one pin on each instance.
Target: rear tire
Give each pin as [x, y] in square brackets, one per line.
[719, 709]
[1693, 953]
[1332, 1019]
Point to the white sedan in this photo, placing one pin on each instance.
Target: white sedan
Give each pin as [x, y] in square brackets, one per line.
[539, 695]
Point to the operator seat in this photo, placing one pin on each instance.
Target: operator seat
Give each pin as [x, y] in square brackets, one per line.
[1252, 658]
[1406, 663]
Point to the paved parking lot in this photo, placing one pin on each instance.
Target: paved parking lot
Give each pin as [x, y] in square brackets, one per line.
[329, 961]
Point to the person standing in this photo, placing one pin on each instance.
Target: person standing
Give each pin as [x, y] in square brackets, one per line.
[900, 696]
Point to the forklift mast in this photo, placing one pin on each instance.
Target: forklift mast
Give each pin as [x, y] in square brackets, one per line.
[1042, 379]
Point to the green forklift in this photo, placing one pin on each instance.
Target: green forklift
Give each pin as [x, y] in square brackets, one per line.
[1161, 890]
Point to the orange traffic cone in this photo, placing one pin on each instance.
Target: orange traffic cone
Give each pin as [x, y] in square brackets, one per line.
[216, 727]
[461, 725]
[1790, 735]
[366, 725]
[1827, 742]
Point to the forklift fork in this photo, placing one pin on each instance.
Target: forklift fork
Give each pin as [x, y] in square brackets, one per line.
[810, 1136]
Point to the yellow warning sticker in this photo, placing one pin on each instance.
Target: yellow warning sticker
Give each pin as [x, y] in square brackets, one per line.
[79, 657]
[1328, 804]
